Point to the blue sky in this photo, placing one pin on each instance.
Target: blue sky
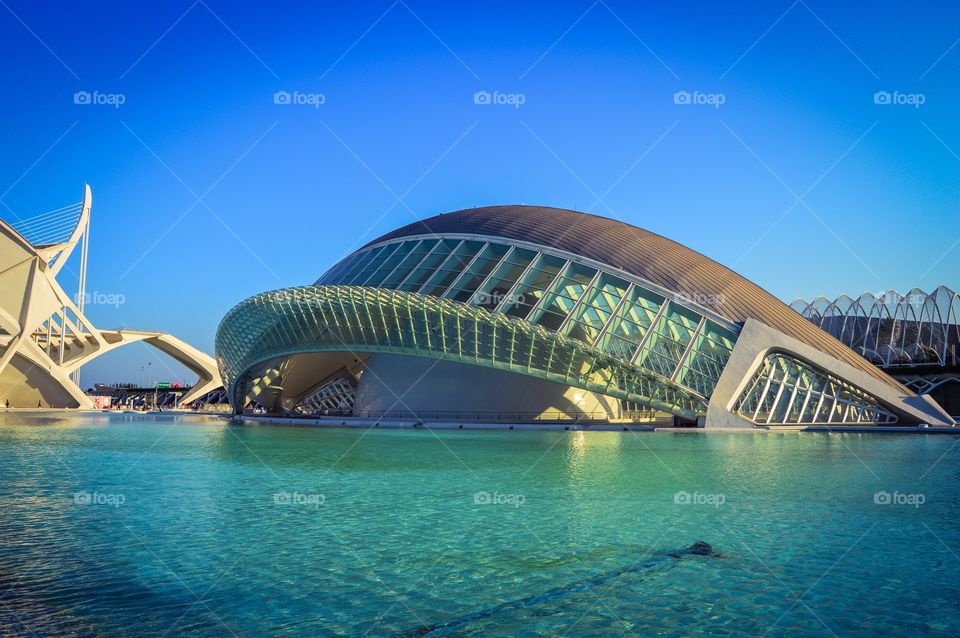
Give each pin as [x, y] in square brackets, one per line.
[206, 191]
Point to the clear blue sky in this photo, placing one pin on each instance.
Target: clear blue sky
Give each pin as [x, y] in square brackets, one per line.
[288, 189]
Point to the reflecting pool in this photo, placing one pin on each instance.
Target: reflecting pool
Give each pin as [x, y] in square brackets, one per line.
[130, 525]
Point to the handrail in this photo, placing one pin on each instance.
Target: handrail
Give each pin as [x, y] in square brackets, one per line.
[477, 416]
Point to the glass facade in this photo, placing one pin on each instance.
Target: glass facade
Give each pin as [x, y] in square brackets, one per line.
[333, 318]
[553, 315]
[785, 391]
[603, 310]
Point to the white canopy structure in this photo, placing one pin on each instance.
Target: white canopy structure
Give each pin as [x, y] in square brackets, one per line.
[45, 336]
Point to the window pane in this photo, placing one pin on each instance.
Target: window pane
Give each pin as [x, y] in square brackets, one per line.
[464, 288]
[367, 265]
[384, 263]
[429, 265]
[708, 358]
[669, 340]
[596, 309]
[408, 263]
[565, 291]
[504, 277]
[632, 322]
[534, 285]
[451, 268]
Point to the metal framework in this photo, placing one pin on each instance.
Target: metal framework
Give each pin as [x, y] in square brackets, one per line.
[336, 395]
[498, 292]
[890, 329]
[324, 318]
[45, 336]
[786, 391]
[600, 306]
[926, 384]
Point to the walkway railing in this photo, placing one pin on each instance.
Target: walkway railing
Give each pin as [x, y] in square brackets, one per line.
[486, 417]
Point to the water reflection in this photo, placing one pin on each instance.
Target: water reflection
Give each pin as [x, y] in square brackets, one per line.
[400, 538]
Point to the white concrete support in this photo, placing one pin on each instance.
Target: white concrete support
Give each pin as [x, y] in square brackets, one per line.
[47, 335]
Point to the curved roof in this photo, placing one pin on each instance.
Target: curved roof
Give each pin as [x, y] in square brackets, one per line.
[647, 255]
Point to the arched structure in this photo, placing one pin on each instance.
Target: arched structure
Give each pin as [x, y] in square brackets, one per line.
[608, 314]
[45, 337]
[893, 330]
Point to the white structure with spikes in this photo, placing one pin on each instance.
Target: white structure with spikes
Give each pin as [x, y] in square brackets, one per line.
[45, 336]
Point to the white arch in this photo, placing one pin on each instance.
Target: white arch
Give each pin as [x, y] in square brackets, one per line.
[45, 337]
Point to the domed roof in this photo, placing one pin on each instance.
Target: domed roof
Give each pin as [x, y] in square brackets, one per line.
[647, 255]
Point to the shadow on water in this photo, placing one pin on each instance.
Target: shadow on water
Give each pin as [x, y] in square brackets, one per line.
[665, 561]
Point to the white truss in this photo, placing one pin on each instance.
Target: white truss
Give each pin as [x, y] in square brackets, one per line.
[45, 337]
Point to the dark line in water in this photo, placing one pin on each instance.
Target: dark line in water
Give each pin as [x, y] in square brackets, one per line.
[699, 548]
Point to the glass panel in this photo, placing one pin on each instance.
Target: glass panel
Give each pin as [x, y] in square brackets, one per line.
[350, 266]
[787, 391]
[366, 264]
[451, 268]
[406, 266]
[389, 263]
[537, 280]
[566, 290]
[669, 340]
[470, 280]
[371, 267]
[708, 358]
[429, 265]
[494, 292]
[596, 309]
[628, 328]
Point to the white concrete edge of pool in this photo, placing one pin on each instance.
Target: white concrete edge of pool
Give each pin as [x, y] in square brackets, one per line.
[344, 422]
[412, 424]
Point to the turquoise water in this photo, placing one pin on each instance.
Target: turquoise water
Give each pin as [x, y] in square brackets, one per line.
[169, 526]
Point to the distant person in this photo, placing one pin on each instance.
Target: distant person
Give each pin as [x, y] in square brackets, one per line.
[8, 404]
[38, 405]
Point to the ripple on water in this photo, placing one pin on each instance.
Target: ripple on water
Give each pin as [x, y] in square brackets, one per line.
[388, 531]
